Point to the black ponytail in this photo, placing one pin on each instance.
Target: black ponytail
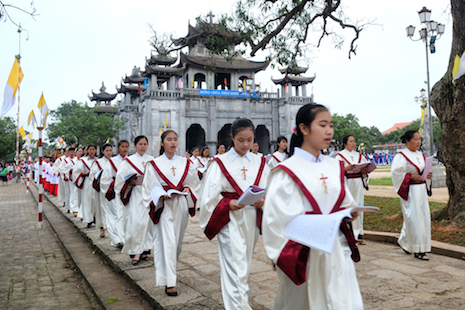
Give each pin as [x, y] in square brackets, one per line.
[163, 136]
[305, 115]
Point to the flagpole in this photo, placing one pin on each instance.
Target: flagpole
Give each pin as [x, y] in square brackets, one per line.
[19, 100]
[41, 188]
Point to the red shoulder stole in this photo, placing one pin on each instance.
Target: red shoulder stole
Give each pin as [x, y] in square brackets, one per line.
[220, 216]
[272, 155]
[155, 215]
[126, 191]
[110, 195]
[405, 186]
[96, 182]
[294, 256]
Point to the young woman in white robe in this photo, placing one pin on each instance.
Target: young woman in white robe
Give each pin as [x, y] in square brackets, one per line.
[138, 234]
[89, 197]
[280, 155]
[170, 215]
[310, 183]
[356, 182]
[237, 226]
[116, 211]
[72, 202]
[406, 170]
[101, 203]
[220, 149]
[255, 148]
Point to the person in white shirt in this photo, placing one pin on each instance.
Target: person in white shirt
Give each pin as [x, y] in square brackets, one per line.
[237, 226]
[310, 183]
[406, 170]
[281, 154]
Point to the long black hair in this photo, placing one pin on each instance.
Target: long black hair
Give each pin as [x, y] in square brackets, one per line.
[238, 125]
[408, 135]
[163, 136]
[281, 138]
[305, 115]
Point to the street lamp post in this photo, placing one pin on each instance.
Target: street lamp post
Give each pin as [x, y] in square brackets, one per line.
[433, 31]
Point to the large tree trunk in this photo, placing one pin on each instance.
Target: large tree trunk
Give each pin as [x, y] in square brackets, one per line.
[448, 101]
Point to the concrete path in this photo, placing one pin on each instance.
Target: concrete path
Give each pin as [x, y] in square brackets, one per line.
[388, 278]
[34, 271]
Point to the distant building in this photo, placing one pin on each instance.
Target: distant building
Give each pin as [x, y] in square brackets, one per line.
[199, 95]
[396, 127]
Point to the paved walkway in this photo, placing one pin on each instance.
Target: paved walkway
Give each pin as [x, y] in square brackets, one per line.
[388, 278]
[34, 271]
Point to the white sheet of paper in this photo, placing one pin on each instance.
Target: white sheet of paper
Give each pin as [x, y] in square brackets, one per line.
[319, 231]
[251, 196]
[98, 173]
[428, 167]
[202, 169]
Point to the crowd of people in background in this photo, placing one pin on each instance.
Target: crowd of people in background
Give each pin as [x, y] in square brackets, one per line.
[143, 204]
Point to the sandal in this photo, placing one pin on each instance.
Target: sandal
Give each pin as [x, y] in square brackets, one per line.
[406, 252]
[144, 257]
[120, 245]
[135, 261]
[172, 291]
[421, 256]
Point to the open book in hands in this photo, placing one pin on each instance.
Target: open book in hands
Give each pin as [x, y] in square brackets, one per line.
[159, 192]
[251, 196]
[358, 167]
[319, 231]
[140, 178]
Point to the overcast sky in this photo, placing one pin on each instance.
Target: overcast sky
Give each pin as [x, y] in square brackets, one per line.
[75, 45]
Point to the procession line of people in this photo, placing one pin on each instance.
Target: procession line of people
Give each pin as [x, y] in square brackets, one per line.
[144, 204]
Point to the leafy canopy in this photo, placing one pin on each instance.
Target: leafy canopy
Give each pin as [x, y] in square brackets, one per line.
[80, 124]
[7, 138]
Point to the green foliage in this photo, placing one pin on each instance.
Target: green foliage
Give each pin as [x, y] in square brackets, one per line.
[80, 124]
[381, 181]
[7, 138]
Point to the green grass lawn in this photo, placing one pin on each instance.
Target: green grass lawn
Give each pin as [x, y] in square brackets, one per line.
[380, 181]
[385, 220]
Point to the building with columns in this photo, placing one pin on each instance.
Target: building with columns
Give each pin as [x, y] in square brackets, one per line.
[199, 95]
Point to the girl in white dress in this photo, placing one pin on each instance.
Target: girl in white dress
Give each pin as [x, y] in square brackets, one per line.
[101, 204]
[280, 155]
[406, 170]
[82, 180]
[169, 215]
[310, 183]
[220, 149]
[128, 188]
[116, 211]
[356, 182]
[237, 226]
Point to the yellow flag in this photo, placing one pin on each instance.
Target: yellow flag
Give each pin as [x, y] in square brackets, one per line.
[456, 65]
[244, 85]
[43, 105]
[22, 132]
[161, 131]
[192, 81]
[108, 140]
[459, 67]
[31, 118]
[16, 76]
[166, 122]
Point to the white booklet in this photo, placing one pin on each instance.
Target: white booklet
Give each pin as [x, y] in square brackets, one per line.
[251, 196]
[428, 167]
[98, 174]
[202, 169]
[140, 178]
[319, 231]
[158, 192]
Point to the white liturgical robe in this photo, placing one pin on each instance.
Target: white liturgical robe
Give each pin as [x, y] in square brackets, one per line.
[138, 233]
[115, 212]
[100, 203]
[238, 236]
[276, 158]
[172, 219]
[88, 194]
[416, 229]
[73, 199]
[355, 185]
[327, 281]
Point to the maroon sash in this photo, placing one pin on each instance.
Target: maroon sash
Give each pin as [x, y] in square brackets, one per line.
[155, 215]
[220, 216]
[405, 186]
[272, 155]
[126, 191]
[293, 258]
[96, 182]
[110, 195]
[81, 185]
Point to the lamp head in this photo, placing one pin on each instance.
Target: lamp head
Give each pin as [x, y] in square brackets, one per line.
[410, 31]
[425, 15]
[423, 92]
[441, 28]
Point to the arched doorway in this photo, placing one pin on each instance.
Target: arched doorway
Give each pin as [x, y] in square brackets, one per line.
[195, 136]
[224, 135]
[262, 136]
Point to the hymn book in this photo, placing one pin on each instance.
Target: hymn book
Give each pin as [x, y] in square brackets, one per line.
[318, 231]
[139, 178]
[159, 192]
[251, 196]
[358, 167]
[428, 167]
